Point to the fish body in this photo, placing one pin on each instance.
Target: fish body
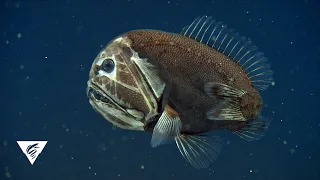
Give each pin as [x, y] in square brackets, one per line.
[179, 86]
[189, 66]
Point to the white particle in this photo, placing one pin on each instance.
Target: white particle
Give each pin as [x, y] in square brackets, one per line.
[273, 83]
[46, 57]
[21, 66]
[8, 175]
[7, 41]
[292, 89]
[291, 42]
[250, 171]
[89, 167]
[284, 142]
[142, 166]
[292, 150]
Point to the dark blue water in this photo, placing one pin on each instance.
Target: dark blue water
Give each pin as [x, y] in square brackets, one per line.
[47, 48]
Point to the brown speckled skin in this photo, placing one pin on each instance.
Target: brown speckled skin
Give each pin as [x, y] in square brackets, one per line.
[188, 65]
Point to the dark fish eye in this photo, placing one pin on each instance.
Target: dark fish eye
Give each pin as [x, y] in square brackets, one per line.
[108, 65]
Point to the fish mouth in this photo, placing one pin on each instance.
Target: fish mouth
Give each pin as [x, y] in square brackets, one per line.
[93, 91]
[118, 113]
[97, 95]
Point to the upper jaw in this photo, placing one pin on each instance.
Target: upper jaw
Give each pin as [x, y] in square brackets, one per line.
[111, 110]
[94, 91]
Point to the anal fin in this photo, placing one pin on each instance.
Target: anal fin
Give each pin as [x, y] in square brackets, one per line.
[254, 130]
[167, 127]
[198, 150]
[228, 107]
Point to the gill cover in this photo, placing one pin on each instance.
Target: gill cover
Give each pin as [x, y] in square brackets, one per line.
[128, 86]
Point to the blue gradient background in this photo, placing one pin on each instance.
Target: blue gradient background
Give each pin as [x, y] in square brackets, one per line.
[46, 100]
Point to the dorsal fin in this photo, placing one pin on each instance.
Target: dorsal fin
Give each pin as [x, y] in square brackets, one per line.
[238, 48]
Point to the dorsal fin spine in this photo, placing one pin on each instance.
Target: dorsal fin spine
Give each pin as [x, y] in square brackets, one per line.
[195, 27]
[256, 55]
[225, 36]
[247, 43]
[253, 48]
[223, 28]
[205, 22]
[235, 47]
[237, 34]
[215, 28]
[205, 32]
[185, 33]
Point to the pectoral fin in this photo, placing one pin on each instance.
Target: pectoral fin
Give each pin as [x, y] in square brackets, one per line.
[198, 150]
[167, 127]
[254, 130]
[228, 107]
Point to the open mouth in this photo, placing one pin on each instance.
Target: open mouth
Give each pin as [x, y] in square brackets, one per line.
[97, 95]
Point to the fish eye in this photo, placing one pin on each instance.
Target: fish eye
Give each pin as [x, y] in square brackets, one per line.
[108, 65]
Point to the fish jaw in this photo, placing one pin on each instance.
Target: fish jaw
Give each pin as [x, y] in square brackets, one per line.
[118, 90]
[116, 112]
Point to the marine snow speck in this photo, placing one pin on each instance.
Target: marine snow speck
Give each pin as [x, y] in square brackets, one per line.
[180, 86]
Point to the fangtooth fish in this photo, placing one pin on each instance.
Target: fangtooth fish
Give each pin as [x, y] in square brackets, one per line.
[179, 86]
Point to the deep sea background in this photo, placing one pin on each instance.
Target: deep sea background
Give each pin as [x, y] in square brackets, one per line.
[46, 51]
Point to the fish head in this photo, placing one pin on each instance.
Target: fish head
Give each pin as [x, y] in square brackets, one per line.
[251, 105]
[117, 89]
